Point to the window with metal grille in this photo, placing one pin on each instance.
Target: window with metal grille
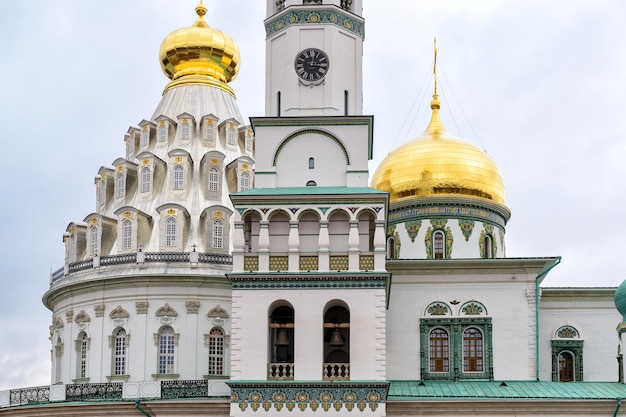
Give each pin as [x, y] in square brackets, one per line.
[119, 353]
[170, 231]
[179, 177]
[127, 234]
[216, 351]
[166, 350]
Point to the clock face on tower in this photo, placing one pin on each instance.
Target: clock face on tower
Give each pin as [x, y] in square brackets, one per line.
[311, 66]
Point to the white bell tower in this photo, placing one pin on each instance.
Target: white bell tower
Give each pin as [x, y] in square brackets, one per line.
[314, 51]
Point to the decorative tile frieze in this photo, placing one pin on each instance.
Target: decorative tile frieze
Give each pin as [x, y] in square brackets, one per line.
[315, 16]
[270, 396]
[412, 228]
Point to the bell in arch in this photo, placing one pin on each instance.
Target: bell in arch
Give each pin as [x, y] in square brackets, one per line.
[336, 339]
[282, 339]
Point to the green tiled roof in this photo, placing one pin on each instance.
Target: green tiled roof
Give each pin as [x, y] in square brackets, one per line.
[309, 191]
[499, 390]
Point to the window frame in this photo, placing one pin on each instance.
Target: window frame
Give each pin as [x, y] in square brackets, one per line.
[244, 181]
[146, 179]
[127, 234]
[170, 231]
[214, 179]
[217, 234]
[179, 177]
[456, 326]
[94, 240]
[216, 343]
[120, 185]
[166, 354]
[120, 352]
[82, 349]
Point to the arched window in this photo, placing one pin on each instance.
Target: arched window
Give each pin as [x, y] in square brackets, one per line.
[184, 134]
[218, 234]
[391, 248]
[566, 366]
[214, 179]
[82, 346]
[336, 344]
[311, 163]
[120, 188]
[127, 234]
[487, 248]
[166, 350]
[179, 177]
[102, 193]
[146, 179]
[345, 102]
[439, 351]
[245, 181]
[230, 133]
[119, 352]
[163, 132]
[93, 241]
[311, 184]
[209, 131]
[170, 231]
[438, 245]
[216, 351]
[145, 136]
[472, 350]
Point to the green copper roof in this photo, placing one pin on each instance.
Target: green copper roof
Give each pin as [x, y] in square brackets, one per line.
[498, 390]
[309, 191]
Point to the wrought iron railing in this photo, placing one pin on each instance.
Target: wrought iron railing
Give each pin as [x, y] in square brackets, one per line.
[33, 395]
[84, 392]
[131, 258]
[336, 371]
[280, 371]
[184, 389]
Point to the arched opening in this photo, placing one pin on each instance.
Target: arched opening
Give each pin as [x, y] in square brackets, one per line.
[391, 248]
[278, 103]
[336, 343]
[179, 177]
[58, 356]
[311, 163]
[218, 234]
[127, 234]
[281, 343]
[308, 232]
[367, 228]
[146, 178]
[251, 229]
[338, 231]
[346, 96]
[170, 231]
[244, 181]
[166, 350]
[214, 179]
[120, 188]
[487, 247]
[311, 183]
[81, 348]
[93, 247]
[279, 232]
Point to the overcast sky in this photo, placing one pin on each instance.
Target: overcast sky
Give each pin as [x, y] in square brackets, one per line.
[539, 84]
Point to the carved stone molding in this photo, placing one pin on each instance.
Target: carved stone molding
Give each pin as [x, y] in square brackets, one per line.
[69, 315]
[142, 307]
[82, 317]
[99, 309]
[192, 306]
[119, 313]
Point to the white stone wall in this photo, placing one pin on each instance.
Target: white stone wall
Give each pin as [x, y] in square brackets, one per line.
[367, 334]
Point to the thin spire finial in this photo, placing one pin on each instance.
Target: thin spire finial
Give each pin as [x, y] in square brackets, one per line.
[435, 65]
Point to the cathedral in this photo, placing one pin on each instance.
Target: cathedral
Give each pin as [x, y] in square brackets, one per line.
[256, 267]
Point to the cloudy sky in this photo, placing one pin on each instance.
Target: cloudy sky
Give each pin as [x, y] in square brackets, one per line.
[539, 84]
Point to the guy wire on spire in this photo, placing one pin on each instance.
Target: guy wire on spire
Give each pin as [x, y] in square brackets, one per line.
[435, 65]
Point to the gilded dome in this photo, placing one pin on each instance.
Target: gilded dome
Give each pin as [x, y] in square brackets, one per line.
[199, 54]
[437, 164]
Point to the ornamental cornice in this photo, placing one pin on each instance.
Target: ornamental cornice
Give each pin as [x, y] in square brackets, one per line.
[339, 280]
[314, 16]
[447, 209]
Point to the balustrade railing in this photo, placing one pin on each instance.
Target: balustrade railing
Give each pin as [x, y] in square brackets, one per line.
[84, 392]
[280, 371]
[131, 258]
[32, 395]
[184, 389]
[336, 371]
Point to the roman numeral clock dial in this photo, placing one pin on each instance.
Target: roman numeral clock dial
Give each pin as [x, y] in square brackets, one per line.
[311, 66]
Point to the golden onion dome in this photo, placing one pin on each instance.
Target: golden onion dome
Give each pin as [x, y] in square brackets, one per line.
[199, 54]
[435, 164]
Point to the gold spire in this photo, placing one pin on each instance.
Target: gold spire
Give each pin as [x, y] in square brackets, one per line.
[435, 127]
[201, 11]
